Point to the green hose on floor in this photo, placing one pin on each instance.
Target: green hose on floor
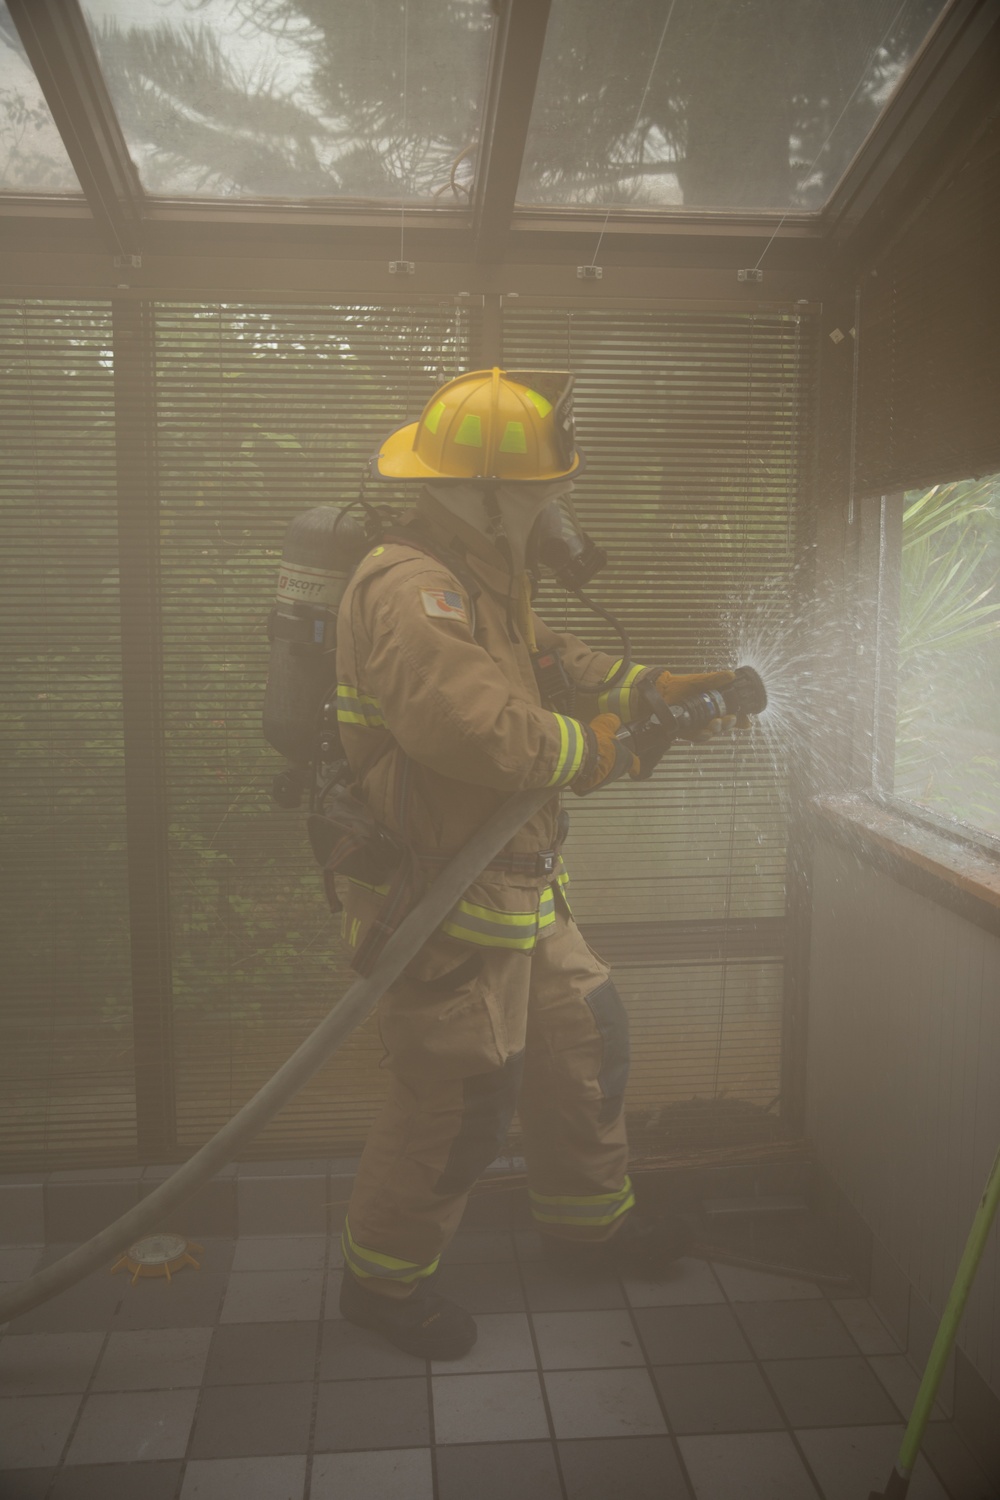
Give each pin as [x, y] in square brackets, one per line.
[355, 1006]
[899, 1479]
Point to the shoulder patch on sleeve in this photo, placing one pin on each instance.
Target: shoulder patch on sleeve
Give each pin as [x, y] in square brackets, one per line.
[443, 604]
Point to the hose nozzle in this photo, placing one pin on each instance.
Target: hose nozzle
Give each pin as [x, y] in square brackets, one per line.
[747, 695]
[666, 723]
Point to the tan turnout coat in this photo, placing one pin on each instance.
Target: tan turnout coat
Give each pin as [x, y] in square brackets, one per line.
[441, 720]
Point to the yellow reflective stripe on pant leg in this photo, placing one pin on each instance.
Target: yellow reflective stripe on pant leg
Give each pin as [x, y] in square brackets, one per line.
[618, 699]
[591, 1212]
[358, 708]
[492, 929]
[572, 744]
[372, 1263]
[546, 909]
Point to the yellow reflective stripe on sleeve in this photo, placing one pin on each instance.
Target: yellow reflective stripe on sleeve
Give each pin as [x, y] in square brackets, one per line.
[591, 1212]
[358, 708]
[618, 699]
[572, 744]
[372, 1263]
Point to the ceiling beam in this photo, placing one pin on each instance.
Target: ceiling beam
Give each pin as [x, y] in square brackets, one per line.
[55, 37]
[211, 277]
[516, 59]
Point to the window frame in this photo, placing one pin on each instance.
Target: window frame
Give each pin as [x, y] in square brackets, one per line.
[880, 522]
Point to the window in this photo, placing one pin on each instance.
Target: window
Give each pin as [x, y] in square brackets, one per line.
[32, 156]
[738, 104]
[947, 744]
[281, 99]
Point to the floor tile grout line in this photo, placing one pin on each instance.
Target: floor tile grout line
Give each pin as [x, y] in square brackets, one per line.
[87, 1391]
[758, 1361]
[310, 1454]
[648, 1367]
[431, 1428]
[215, 1324]
[939, 1476]
[529, 1313]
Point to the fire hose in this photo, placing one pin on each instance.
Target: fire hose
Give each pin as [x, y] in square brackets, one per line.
[652, 738]
[349, 1012]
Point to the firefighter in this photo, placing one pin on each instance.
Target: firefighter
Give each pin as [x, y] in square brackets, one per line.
[442, 718]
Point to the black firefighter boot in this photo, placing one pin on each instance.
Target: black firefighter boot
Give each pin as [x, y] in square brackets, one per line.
[424, 1323]
[642, 1247]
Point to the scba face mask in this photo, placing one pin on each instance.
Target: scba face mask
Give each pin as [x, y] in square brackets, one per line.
[559, 545]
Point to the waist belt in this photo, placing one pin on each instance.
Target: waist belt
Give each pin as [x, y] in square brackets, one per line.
[405, 885]
[542, 862]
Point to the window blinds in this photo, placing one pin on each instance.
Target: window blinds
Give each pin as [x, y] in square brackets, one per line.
[695, 426]
[695, 429]
[66, 1065]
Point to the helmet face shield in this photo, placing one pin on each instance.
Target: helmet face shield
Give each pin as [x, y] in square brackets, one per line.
[556, 388]
[490, 426]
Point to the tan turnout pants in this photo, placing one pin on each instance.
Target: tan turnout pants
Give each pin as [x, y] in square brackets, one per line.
[469, 1033]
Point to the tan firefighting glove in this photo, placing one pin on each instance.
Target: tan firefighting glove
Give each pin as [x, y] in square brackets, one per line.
[606, 758]
[675, 687]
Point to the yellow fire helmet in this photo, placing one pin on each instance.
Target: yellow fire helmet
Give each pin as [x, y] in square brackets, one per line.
[508, 426]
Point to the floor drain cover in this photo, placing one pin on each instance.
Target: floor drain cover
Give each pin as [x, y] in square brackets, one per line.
[158, 1255]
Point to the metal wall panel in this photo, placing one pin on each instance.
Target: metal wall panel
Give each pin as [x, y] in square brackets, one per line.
[904, 1056]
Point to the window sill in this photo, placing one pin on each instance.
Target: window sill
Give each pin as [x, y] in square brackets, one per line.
[946, 871]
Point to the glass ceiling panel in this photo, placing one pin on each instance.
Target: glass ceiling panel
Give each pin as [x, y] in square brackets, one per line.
[712, 104]
[32, 156]
[371, 100]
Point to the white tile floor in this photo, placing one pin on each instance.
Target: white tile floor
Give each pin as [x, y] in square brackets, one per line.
[240, 1382]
